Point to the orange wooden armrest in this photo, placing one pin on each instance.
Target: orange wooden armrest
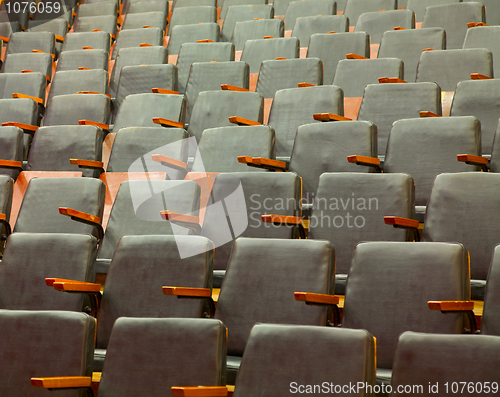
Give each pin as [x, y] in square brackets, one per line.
[391, 80]
[3, 217]
[94, 93]
[316, 298]
[145, 45]
[445, 306]
[245, 160]
[281, 58]
[83, 68]
[25, 127]
[398, 221]
[169, 162]
[273, 165]
[229, 87]
[282, 220]
[425, 113]
[70, 286]
[304, 85]
[87, 163]
[18, 96]
[79, 214]
[355, 56]
[167, 123]
[428, 49]
[59, 38]
[365, 160]
[242, 121]
[474, 24]
[147, 27]
[43, 52]
[200, 391]
[205, 41]
[329, 117]
[163, 91]
[474, 160]
[27, 71]
[11, 164]
[268, 37]
[87, 48]
[100, 125]
[4, 39]
[399, 28]
[182, 291]
[188, 221]
[62, 382]
[479, 76]
[49, 281]
[331, 32]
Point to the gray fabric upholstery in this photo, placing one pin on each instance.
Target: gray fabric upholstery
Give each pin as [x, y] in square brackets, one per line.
[354, 8]
[350, 207]
[134, 37]
[193, 3]
[138, 110]
[190, 34]
[495, 152]
[151, 355]
[213, 108]
[6, 189]
[342, 356]
[220, 147]
[306, 8]
[376, 23]
[140, 6]
[432, 359]
[73, 81]
[68, 109]
[295, 106]
[353, 75]
[76, 41]
[58, 26]
[490, 324]
[407, 276]
[331, 48]
[486, 37]
[448, 68]
[106, 23]
[323, 147]
[97, 9]
[383, 104]
[19, 19]
[39, 211]
[201, 52]
[230, 3]
[141, 143]
[453, 18]
[136, 210]
[419, 6]
[477, 227]
[408, 45]
[280, 74]
[209, 76]
[7, 28]
[155, 19]
[244, 13]
[44, 343]
[479, 98]
[54, 146]
[192, 15]
[262, 193]
[36, 62]
[29, 258]
[92, 59]
[306, 26]
[11, 148]
[141, 79]
[492, 12]
[256, 29]
[32, 84]
[26, 41]
[427, 147]
[258, 50]
[280, 6]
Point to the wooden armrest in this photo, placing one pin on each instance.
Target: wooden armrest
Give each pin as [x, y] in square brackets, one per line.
[401, 222]
[446, 306]
[425, 113]
[282, 220]
[18, 96]
[311, 298]
[229, 87]
[87, 48]
[329, 117]
[167, 123]
[100, 125]
[87, 164]
[83, 68]
[49, 281]
[366, 161]
[355, 56]
[399, 28]
[59, 38]
[205, 41]
[280, 58]
[471, 159]
[331, 32]
[26, 127]
[163, 91]
[42, 52]
[191, 292]
[391, 80]
[145, 45]
[479, 76]
[71, 286]
[82, 217]
[245, 160]
[242, 121]
[200, 391]
[147, 27]
[62, 382]
[31, 71]
[474, 24]
[269, 164]
[169, 162]
[304, 85]
[4, 39]
[188, 221]
[428, 49]
[94, 93]
[17, 165]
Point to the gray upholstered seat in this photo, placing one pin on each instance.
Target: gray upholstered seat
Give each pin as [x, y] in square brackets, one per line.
[192, 15]
[447, 68]
[490, 324]
[306, 26]
[58, 26]
[308, 8]
[155, 19]
[294, 107]
[344, 357]
[29, 258]
[91, 59]
[244, 13]
[231, 3]
[11, 148]
[22, 42]
[376, 23]
[38, 334]
[19, 19]
[6, 189]
[69, 109]
[134, 37]
[36, 62]
[485, 37]
[492, 14]
[190, 34]
[32, 84]
[331, 48]
[256, 29]
[453, 18]
[259, 50]
[96, 40]
[419, 6]
[408, 45]
[354, 8]
[73, 81]
[383, 104]
[96, 9]
[194, 3]
[495, 153]
[140, 6]
[105, 23]
[280, 6]
[272, 269]
[390, 284]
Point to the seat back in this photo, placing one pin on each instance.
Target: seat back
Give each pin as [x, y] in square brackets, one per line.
[69, 109]
[306, 26]
[32, 84]
[73, 81]
[376, 23]
[134, 37]
[96, 40]
[485, 37]
[6, 189]
[244, 13]
[11, 148]
[191, 16]
[307, 8]
[155, 19]
[490, 324]
[259, 50]
[232, 3]
[27, 41]
[91, 59]
[419, 6]
[36, 62]
[256, 29]
[354, 8]
[190, 34]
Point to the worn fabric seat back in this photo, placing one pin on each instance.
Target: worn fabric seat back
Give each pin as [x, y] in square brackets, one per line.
[258, 50]
[256, 29]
